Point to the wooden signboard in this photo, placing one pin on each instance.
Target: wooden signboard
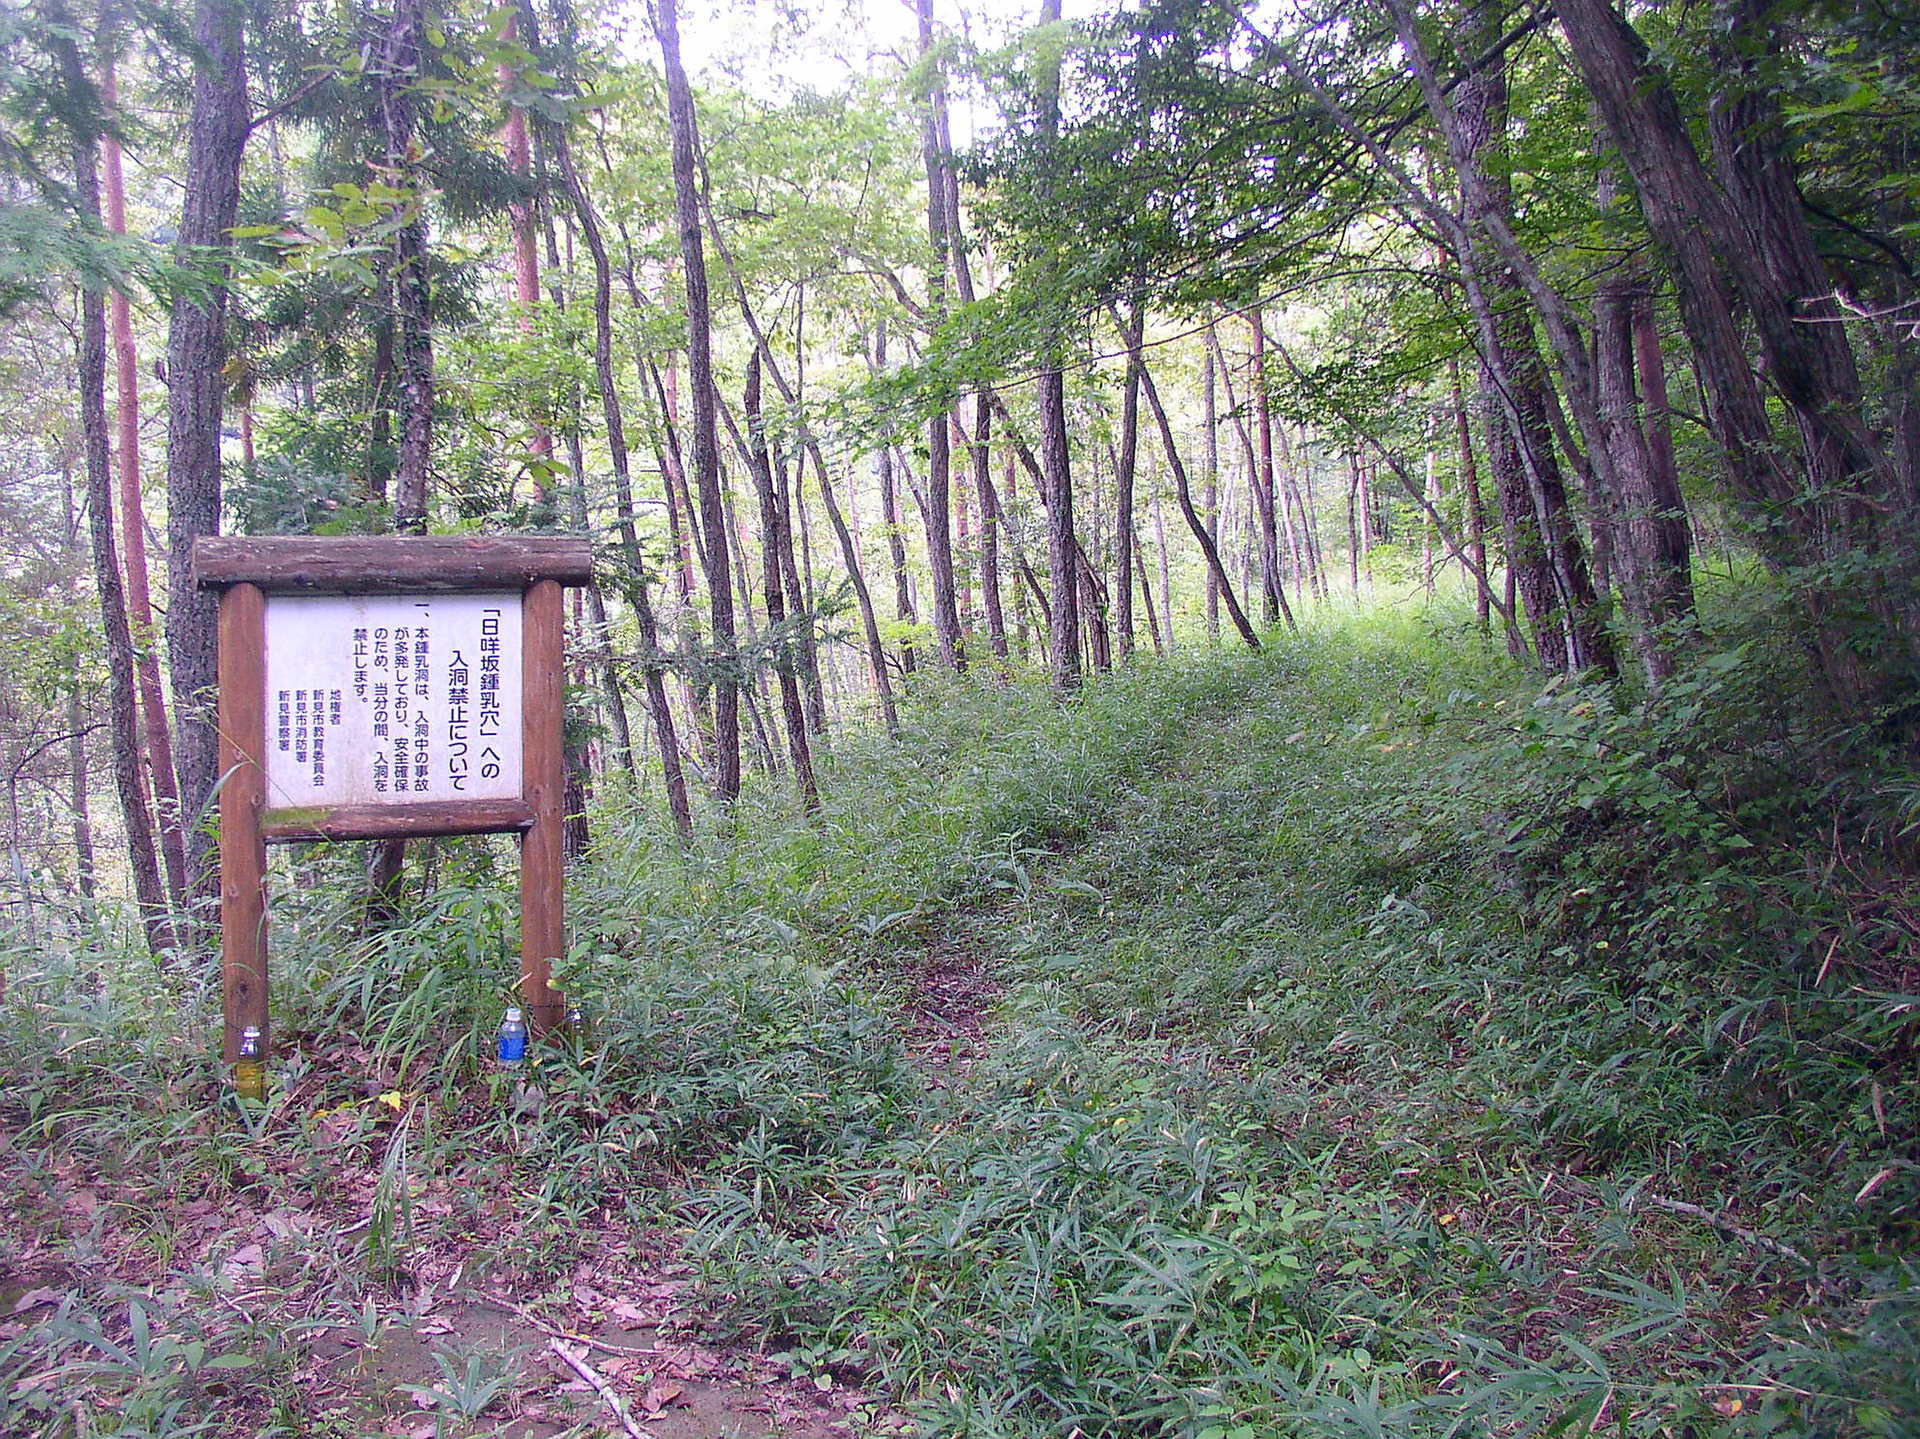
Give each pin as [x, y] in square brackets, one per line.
[385, 689]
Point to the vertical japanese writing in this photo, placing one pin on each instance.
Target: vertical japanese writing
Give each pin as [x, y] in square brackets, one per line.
[489, 699]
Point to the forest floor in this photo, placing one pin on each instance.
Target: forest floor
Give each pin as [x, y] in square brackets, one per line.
[1197, 1062]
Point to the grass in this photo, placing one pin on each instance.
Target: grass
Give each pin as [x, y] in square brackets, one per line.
[1382, 1046]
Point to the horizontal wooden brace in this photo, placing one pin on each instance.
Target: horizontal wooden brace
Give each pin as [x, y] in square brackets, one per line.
[397, 821]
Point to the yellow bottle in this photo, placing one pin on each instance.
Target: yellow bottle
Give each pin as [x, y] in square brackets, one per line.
[250, 1067]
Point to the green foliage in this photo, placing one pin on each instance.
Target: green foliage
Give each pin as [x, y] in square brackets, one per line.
[1379, 1043]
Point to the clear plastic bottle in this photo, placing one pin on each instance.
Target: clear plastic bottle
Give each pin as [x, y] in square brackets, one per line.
[513, 1039]
[576, 1021]
[250, 1067]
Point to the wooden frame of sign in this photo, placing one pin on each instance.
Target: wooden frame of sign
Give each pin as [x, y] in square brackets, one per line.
[367, 690]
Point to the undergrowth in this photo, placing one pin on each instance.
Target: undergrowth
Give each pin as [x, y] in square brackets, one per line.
[1386, 1045]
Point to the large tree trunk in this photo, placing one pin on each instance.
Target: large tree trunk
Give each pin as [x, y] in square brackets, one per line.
[1543, 542]
[1841, 498]
[1653, 547]
[706, 447]
[196, 378]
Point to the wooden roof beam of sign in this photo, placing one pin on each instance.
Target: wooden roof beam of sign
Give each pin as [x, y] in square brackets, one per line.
[407, 564]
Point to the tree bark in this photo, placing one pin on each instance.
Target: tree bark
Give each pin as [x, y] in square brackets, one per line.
[1200, 532]
[1476, 509]
[1543, 544]
[771, 543]
[1063, 546]
[652, 659]
[1210, 484]
[1750, 209]
[133, 532]
[196, 378]
[1132, 325]
[123, 707]
[946, 617]
[405, 53]
[706, 448]
[1653, 547]
[1272, 598]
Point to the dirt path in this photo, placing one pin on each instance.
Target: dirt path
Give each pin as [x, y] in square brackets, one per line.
[950, 993]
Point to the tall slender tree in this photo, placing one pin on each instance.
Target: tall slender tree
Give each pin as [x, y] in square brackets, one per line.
[706, 445]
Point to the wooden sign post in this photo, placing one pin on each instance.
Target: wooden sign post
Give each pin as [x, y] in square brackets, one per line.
[389, 689]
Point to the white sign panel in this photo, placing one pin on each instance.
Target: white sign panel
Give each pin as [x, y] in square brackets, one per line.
[392, 699]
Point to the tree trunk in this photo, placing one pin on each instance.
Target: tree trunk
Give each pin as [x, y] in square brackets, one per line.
[1751, 210]
[122, 703]
[1476, 509]
[1200, 532]
[706, 448]
[1543, 544]
[890, 517]
[133, 532]
[412, 285]
[196, 378]
[1653, 546]
[946, 618]
[652, 658]
[79, 784]
[1063, 546]
[1211, 484]
[1271, 597]
[771, 544]
[1132, 326]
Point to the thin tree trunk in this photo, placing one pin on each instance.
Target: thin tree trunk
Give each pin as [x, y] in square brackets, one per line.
[1273, 597]
[706, 450]
[890, 517]
[1211, 481]
[991, 525]
[1132, 335]
[946, 618]
[1166, 570]
[1200, 533]
[863, 597]
[412, 285]
[652, 658]
[121, 700]
[133, 533]
[771, 544]
[1476, 509]
[1063, 546]
[79, 788]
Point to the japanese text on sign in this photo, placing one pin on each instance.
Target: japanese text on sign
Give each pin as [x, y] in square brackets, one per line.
[392, 699]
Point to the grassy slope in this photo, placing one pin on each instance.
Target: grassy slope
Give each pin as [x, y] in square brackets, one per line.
[1317, 1101]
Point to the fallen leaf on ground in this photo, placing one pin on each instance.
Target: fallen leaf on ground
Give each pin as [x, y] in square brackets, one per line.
[659, 1396]
[247, 1259]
